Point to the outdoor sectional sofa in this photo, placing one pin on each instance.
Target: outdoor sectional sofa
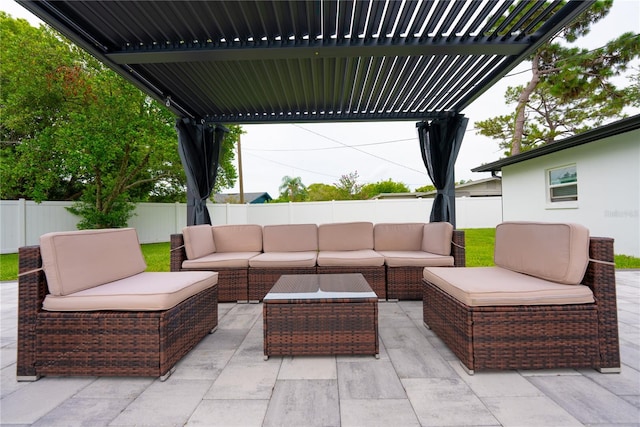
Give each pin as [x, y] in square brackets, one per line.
[549, 302]
[87, 307]
[250, 258]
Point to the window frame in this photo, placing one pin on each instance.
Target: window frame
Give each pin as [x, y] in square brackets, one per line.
[559, 202]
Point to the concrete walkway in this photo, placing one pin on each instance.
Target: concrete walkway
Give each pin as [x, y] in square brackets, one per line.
[417, 381]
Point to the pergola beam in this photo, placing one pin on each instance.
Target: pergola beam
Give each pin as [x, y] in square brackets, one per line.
[289, 50]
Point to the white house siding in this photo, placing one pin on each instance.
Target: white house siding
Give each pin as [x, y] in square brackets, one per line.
[608, 189]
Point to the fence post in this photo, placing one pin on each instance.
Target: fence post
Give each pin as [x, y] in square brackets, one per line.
[22, 222]
[176, 207]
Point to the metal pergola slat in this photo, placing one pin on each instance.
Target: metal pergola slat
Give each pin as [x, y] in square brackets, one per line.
[256, 61]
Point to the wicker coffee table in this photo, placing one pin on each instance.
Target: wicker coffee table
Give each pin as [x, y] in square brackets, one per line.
[320, 314]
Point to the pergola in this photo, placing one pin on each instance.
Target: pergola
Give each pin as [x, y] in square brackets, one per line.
[259, 61]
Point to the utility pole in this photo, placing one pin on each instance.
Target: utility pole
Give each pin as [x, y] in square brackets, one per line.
[240, 170]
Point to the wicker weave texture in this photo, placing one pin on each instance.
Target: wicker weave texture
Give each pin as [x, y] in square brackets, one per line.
[458, 249]
[601, 278]
[324, 328]
[404, 283]
[104, 343]
[533, 337]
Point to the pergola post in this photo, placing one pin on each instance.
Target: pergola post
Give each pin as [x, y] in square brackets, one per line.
[440, 143]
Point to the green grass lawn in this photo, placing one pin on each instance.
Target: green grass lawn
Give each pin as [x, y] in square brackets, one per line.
[478, 244]
[478, 241]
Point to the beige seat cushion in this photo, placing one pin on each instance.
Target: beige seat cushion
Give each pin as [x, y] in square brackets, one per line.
[78, 260]
[490, 286]
[398, 237]
[360, 258]
[550, 251]
[148, 291]
[415, 259]
[220, 260]
[290, 238]
[198, 241]
[237, 238]
[345, 236]
[284, 259]
[437, 238]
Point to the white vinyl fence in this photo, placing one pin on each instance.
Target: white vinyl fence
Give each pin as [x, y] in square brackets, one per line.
[23, 222]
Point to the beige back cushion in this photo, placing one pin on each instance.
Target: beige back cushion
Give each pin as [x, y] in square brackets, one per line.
[550, 251]
[237, 238]
[345, 236]
[198, 241]
[78, 260]
[290, 238]
[437, 238]
[398, 237]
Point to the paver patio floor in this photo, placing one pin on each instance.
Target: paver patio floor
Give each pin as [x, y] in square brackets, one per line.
[417, 381]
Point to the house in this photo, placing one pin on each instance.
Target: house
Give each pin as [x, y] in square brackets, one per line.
[251, 198]
[592, 178]
[486, 187]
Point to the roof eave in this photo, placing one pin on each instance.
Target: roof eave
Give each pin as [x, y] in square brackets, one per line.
[612, 129]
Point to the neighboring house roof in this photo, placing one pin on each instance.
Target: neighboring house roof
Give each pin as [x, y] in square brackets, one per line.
[252, 198]
[399, 196]
[612, 129]
[481, 188]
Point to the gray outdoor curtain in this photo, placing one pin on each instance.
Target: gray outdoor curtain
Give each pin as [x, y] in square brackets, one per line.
[440, 143]
[199, 145]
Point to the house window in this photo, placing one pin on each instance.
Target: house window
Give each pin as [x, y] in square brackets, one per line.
[563, 184]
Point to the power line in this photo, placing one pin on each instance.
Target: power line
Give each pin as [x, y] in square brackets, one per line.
[343, 145]
[293, 167]
[333, 148]
[359, 150]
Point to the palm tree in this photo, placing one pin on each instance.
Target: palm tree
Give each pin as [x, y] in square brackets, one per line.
[293, 189]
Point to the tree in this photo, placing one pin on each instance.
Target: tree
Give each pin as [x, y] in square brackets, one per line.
[348, 187]
[371, 190]
[74, 130]
[29, 104]
[292, 189]
[322, 192]
[570, 89]
[425, 189]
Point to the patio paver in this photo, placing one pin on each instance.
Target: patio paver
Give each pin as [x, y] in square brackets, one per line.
[224, 381]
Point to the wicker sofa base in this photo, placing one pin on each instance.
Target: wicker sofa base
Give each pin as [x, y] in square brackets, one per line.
[232, 284]
[534, 337]
[404, 283]
[375, 276]
[261, 280]
[104, 343]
